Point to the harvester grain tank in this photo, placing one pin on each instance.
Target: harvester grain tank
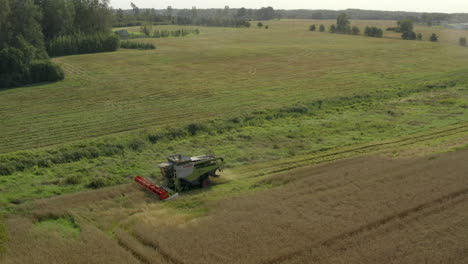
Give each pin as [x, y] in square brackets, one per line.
[182, 173]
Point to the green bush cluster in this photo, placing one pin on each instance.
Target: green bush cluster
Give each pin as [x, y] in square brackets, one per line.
[82, 44]
[24, 160]
[174, 33]
[462, 41]
[373, 32]
[17, 68]
[136, 45]
[45, 71]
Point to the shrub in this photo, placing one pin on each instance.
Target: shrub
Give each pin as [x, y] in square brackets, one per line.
[14, 67]
[17, 68]
[267, 27]
[137, 145]
[322, 28]
[408, 35]
[434, 38]
[332, 29]
[312, 28]
[395, 29]
[136, 45]
[154, 138]
[146, 29]
[260, 24]
[462, 41]
[97, 183]
[72, 180]
[419, 36]
[82, 43]
[45, 71]
[373, 32]
[355, 30]
[194, 128]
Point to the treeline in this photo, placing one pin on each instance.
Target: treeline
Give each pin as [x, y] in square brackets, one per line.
[30, 30]
[226, 17]
[174, 33]
[80, 43]
[148, 32]
[375, 15]
[137, 45]
[406, 27]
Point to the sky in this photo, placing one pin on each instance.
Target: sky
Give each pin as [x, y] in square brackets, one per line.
[444, 6]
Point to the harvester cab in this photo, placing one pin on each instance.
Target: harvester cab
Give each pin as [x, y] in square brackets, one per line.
[181, 173]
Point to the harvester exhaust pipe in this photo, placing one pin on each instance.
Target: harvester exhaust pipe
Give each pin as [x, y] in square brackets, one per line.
[163, 194]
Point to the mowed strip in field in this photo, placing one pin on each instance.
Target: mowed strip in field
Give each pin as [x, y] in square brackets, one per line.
[222, 72]
[364, 210]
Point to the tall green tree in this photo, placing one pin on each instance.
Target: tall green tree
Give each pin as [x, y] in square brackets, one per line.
[120, 15]
[169, 12]
[405, 25]
[136, 10]
[57, 17]
[342, 23]
[23, 22]
[4, 13]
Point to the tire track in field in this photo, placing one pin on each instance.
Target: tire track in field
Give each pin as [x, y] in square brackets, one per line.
[142, 259]
[409, 215]
[76, 71]
[371, 147]
[155, 246]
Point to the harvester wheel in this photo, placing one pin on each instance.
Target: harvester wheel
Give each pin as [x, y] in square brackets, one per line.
[206, 183]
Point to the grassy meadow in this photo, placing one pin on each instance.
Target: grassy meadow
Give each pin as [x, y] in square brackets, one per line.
[221, 72]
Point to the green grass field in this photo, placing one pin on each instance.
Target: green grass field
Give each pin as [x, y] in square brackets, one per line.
[222, 72]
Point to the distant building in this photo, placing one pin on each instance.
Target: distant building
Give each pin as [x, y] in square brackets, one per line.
[123, 33]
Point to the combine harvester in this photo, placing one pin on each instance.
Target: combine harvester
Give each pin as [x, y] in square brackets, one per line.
[182, 173]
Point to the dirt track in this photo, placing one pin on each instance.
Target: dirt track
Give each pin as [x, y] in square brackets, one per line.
[366, 210]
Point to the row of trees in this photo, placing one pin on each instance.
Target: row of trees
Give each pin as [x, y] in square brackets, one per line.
[174, 33]
[343, 26]
[137, 45]
[360, 14]
[170, 14]
[80, 43]
[147, 30]
[28, 27]
[406, 28]
[226, 17]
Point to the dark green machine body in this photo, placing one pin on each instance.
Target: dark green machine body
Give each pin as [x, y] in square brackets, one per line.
[182, 173]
